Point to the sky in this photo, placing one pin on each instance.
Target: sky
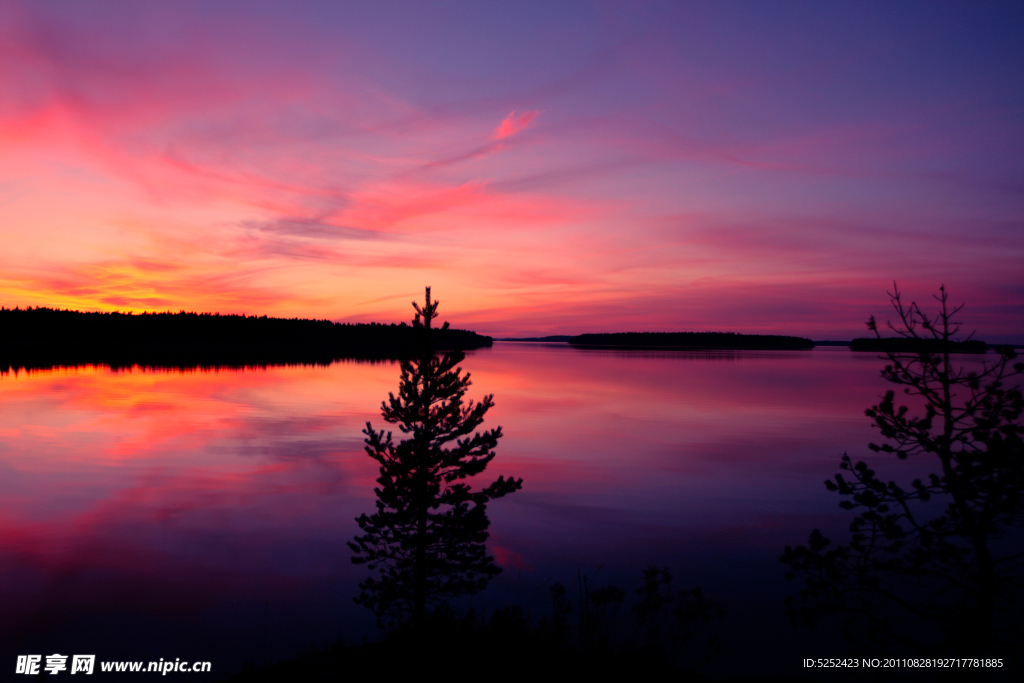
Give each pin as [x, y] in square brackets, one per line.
[545, 167]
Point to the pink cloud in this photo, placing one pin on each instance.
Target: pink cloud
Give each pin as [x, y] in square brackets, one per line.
[514, 123]
[169, 175]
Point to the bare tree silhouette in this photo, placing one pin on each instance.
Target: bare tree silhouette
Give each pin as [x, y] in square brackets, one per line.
[938, 562]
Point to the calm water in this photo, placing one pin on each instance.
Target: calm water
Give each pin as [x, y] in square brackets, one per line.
[204, 515]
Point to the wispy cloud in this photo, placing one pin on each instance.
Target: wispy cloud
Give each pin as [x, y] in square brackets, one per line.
[475, 153]
[514, 123]
[313, 228]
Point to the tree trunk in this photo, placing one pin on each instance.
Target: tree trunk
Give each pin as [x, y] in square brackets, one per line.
[420, 576]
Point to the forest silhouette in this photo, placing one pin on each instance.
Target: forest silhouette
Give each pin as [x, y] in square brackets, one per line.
[44, 337]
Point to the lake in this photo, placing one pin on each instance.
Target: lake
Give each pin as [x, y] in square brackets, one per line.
[204, 514]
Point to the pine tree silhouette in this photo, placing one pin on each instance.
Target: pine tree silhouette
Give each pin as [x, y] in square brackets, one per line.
[426, 540]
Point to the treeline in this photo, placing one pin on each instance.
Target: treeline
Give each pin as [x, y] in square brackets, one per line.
[45, 337]
[903, 345]
[697, 340]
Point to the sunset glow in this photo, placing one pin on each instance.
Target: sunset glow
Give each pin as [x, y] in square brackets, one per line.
[546, 169]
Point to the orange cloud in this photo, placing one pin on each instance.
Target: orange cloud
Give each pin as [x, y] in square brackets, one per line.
[514, 123]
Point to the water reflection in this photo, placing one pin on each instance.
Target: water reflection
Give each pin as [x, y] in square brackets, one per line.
[208, 511]
[151, 499]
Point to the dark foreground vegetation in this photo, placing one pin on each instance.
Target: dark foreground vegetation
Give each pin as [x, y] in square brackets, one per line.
[588, 630]
[44, 337]
[696, 340]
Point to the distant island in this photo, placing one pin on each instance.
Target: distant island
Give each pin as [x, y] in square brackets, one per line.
[554, 338]
[693, 340]
[903, 345]
[46, 337]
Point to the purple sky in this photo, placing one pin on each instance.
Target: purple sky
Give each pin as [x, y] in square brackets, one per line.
[548, 168]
